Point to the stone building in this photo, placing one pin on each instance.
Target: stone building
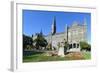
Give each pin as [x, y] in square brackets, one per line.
[73, 35]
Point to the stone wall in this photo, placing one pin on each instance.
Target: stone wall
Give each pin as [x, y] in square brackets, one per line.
[76, 33]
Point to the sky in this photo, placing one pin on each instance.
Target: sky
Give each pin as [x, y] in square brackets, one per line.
[34, 21]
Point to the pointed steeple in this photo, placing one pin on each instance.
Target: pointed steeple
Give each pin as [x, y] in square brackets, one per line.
[54, 26]
[41, 33]
[66, 32]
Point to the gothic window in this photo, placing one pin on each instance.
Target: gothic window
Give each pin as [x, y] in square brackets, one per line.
[74, 45]
[77, 45]
[70, 46]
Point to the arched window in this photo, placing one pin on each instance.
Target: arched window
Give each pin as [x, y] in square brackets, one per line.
[70, 46]
[74, 45]
[77, 45]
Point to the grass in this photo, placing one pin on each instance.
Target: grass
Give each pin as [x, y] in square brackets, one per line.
[40, 57]
[87, 55]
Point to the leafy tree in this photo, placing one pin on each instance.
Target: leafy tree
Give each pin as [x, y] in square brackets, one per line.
[66, 46]
[27, 42]
[40, 41]
[85, 46]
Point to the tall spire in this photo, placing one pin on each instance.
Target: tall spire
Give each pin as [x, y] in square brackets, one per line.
[66, 32]
[41, 33]
[54, 26]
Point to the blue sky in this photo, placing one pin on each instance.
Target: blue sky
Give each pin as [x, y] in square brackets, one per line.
[34, 21]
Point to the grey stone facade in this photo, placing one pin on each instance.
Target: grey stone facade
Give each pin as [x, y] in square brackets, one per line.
[73, 35]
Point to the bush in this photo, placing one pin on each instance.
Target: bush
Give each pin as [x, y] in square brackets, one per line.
[85, 46]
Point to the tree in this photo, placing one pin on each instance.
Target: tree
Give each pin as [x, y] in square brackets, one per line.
[40, 41]
[66, 46]
[27, 42]
[85, 46]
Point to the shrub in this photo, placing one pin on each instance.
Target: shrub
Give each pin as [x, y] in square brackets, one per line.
[85, 46]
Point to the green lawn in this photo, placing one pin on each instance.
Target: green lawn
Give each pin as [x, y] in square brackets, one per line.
[87, 55]
[39, 57]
